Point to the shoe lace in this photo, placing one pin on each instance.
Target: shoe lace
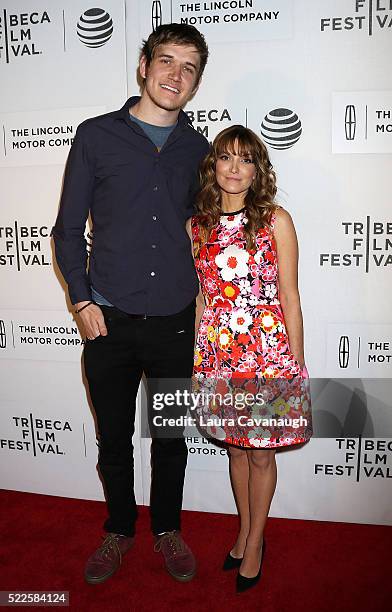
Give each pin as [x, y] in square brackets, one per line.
[110, 543]
[174, 541]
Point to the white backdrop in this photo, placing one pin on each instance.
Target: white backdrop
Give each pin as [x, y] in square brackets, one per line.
[325, 65]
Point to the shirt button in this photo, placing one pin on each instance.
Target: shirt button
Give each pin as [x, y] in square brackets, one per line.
[154, 217]
[155, 188]
[152, 273]
[153, 246]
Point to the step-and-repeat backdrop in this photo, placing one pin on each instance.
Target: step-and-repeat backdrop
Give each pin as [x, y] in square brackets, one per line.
[313, 80]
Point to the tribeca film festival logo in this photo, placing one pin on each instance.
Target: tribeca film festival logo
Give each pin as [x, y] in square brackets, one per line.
[17, 34]
[37, 436]
[23, 246]
[368, 16]
[95, 27]
[371, 246]
[281, 128]
[210, 121]
[352, 350]
[361, 458]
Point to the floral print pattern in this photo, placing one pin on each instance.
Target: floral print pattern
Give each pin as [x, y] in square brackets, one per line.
[242, 341]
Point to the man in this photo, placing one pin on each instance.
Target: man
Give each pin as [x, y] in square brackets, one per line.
[136, 172]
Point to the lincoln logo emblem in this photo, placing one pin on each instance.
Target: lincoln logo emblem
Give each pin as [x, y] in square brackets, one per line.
[350, 122]
[344, 351]
[156, 14]
[3, 337]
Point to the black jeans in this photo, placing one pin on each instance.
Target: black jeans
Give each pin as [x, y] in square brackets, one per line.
[161, 347]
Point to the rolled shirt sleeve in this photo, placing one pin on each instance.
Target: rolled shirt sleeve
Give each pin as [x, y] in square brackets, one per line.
[69, 229]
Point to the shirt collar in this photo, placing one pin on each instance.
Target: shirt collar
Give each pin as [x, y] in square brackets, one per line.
[123, 112]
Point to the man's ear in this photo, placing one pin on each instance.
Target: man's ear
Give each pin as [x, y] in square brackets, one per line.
[196, 87]
[143, 67]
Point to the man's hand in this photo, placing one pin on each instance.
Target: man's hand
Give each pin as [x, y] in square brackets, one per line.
[92, 320]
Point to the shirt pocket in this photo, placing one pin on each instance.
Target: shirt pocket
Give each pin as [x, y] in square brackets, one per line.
[112, 164]
[181, 179]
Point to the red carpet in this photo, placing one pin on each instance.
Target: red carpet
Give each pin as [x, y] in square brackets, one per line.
[309, 565]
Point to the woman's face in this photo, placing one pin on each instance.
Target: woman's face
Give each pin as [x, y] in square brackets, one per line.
[234, 173]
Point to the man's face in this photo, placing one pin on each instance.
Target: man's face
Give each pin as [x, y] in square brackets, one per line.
[171, 77]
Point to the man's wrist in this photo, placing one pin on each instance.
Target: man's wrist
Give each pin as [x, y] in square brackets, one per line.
[82, 305]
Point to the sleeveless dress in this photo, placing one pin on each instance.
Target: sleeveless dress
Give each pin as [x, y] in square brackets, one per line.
[242, 345]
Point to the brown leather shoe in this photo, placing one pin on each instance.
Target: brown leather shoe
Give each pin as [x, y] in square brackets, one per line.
[107, 558]
[179, 559]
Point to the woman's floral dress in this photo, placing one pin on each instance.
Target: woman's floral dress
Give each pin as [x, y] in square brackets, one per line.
[242, 345]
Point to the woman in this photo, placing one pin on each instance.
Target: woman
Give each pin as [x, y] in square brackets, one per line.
[250, 335]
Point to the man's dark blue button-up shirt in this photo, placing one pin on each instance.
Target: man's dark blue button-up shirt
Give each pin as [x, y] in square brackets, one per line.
[139, 200]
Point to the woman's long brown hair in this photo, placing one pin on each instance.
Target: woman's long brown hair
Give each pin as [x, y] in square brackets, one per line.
[259, 201]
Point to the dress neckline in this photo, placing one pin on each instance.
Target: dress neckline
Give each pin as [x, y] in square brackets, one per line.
[236, 212]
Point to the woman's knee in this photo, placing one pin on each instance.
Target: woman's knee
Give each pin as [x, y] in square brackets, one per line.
[261, 459]
[237, 453]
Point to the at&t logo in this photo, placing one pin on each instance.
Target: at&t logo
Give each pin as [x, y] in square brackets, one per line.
[281, 128]
[95, 27]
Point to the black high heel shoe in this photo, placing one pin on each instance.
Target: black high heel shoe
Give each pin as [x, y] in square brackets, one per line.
[231, 563]
[243, 583]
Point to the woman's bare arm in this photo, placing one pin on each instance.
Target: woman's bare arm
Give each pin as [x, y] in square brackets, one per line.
[287, 252]
[200, 304]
